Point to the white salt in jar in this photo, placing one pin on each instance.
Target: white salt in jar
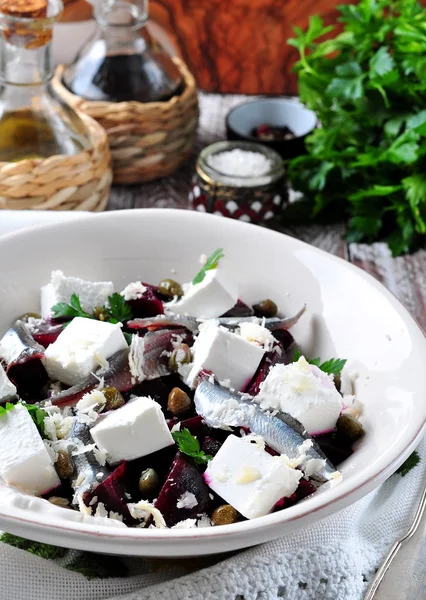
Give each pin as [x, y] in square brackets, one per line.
[241, 180]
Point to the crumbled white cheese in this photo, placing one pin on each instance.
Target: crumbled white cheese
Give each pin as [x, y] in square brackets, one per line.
[115, 516]
[133, 291]
[83, 449]
[257, 334]
[185, 524]
[142, 510]
[187, 500]
[175, 427]
[204, 521]
[89, 406]
[305, 446]
[32, 324]
[100, 455]
[83, 508]
[101, 511]
[312, 466]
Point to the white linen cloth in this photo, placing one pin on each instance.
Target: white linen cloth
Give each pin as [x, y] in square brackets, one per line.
[331, 560]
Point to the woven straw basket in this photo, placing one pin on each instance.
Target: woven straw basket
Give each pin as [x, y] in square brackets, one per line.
[147, 140]
[78, 182]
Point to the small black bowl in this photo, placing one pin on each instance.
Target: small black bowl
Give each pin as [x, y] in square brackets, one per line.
[275, 112]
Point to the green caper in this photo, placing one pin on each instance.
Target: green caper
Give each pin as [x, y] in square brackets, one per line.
[63, 465]
[178, 402]
[267, 308]
[350, 427]
[170, 288]
[114, 399]
[27, 316]
[149, 483]
[100, 313]
[224, 515]
[181, 355]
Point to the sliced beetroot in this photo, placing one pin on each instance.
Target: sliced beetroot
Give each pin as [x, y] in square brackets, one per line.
[116, 375]
[239, 310]
[268, 361]
[112, 493]
[23, 357]
[335, 446]
[304, 489]
[211, 446]
[285, 338]
[47, 333]
[148, 305]
[184, 477]
[195, 425]
[161, 461]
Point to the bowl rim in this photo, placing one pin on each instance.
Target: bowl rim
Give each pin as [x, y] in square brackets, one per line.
[337, 496]
[294, 100]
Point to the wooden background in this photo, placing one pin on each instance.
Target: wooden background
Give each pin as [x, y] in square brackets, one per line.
[233, 46]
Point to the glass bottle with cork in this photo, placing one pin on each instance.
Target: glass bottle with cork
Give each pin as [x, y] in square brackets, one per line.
[121, 63]
[34, 122]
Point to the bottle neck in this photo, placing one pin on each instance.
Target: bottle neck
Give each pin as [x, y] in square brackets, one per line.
[25, 66]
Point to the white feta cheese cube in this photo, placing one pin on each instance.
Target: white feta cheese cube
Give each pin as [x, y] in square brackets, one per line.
[231, 358]
[250, 479]
[61, 288]
[305, 392]
[136, 429]
[7, 389]
[214, 296]
[82, 346]
[24, 460]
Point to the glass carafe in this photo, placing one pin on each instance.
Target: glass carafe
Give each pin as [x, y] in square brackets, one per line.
[34, 122]
[121, 63]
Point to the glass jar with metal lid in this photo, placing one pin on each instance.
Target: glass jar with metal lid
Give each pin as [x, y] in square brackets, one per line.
[241, 180]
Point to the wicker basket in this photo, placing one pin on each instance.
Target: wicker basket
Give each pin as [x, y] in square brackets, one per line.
[78, 182]
[147, 140]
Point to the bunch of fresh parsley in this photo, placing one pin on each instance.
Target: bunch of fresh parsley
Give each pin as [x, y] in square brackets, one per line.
[366, 163]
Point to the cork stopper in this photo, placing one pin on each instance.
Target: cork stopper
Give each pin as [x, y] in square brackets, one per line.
[24, 9]
[28, 23]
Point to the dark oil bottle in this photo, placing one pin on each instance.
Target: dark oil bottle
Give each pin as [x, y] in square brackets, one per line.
[121, 64]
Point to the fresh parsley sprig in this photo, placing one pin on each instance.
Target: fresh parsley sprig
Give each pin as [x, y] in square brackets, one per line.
[332, 366]
[4, 408]
[211, 263]
[411, 462]
[189, 445]
[118, 310]
[367, 86]
[73, 309]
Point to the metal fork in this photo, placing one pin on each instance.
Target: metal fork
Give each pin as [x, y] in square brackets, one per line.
[407, 578]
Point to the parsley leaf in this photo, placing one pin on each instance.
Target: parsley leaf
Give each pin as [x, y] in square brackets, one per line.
[73, 309]
[367, 86]
[211, 263]
[42, 550]
[332, 366]
[189, 445]
[118, 309]
[38, 415]
[4, 408]
[412, 461]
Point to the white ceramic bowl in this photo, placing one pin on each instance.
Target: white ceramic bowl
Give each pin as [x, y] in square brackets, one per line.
[349, 315]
